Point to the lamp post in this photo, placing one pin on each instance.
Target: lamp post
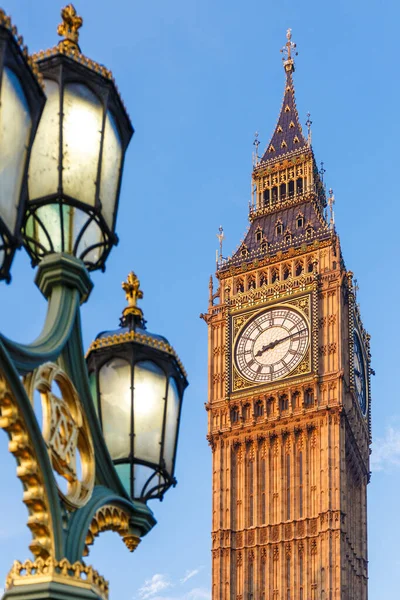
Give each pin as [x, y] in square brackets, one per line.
[68, 227]
[21, 103]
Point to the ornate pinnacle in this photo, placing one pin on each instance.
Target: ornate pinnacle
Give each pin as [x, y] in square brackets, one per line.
[133, 293]
[69, 28]
[288, 61]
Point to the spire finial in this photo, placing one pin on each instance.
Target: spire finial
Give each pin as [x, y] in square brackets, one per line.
[331, 202]
[221, 237]
[256, 143]
[133, 293]
[288, 61]
[69, 28]
[322, 171]
[308, 125]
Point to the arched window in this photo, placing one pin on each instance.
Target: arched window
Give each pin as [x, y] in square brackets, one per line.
[246, 412]
[251, 282]
[258, 409]
[279, 228]
[295, 400]
[299, 221]
[275, 275]
[235, 414]
[288, 237]
[259, 234]
[286, 272]
[263, 279]
[284, 402]
[299, 268]
[309, 397]
[299, 185]
[239, 286]
[243, 251]
[309, 232]
[264, 247]
[270, 406]
[310, 266]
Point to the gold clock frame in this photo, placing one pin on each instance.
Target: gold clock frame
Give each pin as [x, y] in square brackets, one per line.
[238, 319]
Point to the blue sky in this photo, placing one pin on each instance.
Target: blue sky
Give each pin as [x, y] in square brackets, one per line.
[199, 78]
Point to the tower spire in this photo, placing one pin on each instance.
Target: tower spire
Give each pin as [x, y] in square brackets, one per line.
[288, 135]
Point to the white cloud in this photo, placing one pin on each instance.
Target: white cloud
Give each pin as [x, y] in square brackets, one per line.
[154, 586]
[386, 451]
[189, 574]
[194, 594]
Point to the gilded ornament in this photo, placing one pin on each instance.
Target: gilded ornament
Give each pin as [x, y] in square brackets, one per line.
[57, 571]
[28, 471]
[65, 431]
[69, 28]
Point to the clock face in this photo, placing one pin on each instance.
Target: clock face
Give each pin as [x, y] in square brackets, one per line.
[359, 374]
[271, 345]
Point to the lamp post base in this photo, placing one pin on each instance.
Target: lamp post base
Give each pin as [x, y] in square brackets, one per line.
[51, 591]
[54, 580]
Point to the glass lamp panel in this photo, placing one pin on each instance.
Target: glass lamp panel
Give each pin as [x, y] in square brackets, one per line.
[115, 403]
[124, 473]
[92, 235]
[49, 216]
[171, 424]
[148, 410]
[82, 125]
[43, 163]
[15, 128]
[110, 168]
[145, 479]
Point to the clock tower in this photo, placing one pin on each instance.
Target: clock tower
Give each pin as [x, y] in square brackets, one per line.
[288, 395]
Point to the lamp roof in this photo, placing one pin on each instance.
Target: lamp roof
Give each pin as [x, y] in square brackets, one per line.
[133, 327]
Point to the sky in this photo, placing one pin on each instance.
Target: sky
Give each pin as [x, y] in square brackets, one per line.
[198, 79]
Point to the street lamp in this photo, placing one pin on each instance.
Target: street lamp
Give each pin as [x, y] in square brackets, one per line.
[137, 385]
[77, 157]
[69, 228]
[21, 103]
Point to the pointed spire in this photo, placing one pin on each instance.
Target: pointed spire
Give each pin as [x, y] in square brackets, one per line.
[288, 135]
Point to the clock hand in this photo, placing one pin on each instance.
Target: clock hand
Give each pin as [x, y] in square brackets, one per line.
[276, 342]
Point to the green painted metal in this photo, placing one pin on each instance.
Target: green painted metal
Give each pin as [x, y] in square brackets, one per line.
[49, 591]
[141, 520]
[65, 282]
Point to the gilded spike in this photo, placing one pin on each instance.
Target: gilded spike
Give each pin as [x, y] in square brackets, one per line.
[69, 28]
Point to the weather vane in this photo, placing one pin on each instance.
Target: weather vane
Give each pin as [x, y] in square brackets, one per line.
[331, 202]
[221, 237]
[308, 125]
[256, 143]
[356, 288]
[69, 28]
[287, 49]
[322, 171]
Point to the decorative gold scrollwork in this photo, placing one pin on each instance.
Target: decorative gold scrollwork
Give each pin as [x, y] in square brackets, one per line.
[65, 431]
[35, 498]
[111, 518]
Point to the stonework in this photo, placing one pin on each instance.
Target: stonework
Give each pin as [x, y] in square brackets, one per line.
[290, 453]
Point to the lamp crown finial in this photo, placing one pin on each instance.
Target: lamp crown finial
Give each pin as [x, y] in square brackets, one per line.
[70, 26]
[133, 293]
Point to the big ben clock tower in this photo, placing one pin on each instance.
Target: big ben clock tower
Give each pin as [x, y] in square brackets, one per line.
[289, 395]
